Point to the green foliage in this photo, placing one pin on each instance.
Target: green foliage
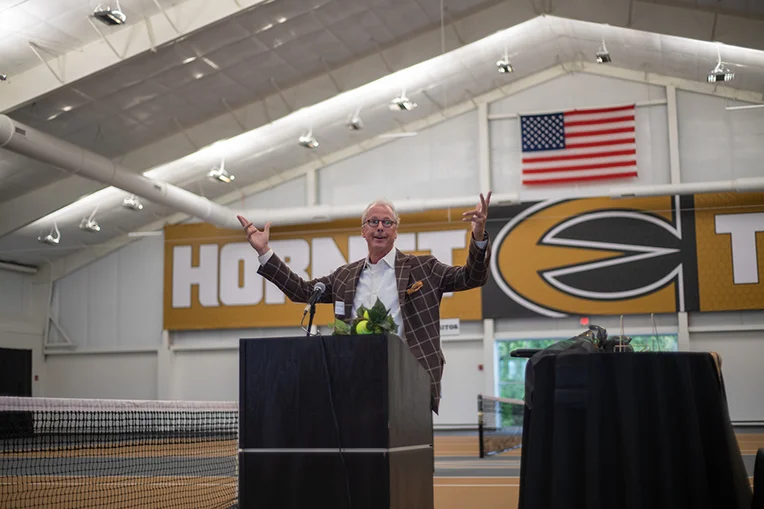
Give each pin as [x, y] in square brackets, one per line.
[340, 327]
[376, 320]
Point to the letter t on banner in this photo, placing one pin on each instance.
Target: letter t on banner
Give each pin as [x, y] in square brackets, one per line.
[184, 276]
[742, 229]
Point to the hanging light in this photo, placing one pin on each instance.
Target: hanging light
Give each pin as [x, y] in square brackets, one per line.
[108, 16]
[89, 224]
[220, 174]
[503, 64]
[51, 238]
[307, 140]
[603, 55]
[132, 203]
[354, 122]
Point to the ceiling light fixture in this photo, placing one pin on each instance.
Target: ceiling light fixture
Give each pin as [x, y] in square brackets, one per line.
[603, 55]
[402, 103]
[89, 224]
[503, 64]
[108, 16]
[720, 72]
[53, 238]
[307, 140]
[354, 122]
[132, 203]
[220, 174]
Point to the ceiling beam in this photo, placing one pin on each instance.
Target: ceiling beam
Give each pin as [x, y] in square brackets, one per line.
[650, 78]
[134, 38]
[28, 208]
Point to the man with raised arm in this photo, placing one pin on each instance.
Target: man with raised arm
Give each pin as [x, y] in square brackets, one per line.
[409, 286]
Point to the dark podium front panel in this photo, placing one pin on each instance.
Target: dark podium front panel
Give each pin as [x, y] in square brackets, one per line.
[300, 402]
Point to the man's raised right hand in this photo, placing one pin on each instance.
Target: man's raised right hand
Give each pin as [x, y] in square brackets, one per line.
[257, 239]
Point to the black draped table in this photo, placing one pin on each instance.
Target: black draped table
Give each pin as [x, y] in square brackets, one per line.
[629, 431]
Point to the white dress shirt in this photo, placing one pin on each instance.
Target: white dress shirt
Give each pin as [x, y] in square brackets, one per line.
[378, 280]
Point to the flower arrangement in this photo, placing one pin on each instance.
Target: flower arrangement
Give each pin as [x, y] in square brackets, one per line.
[376, 320]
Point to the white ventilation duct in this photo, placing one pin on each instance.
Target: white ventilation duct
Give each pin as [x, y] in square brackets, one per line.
[68, 157]
[741, 185]
[326, 213]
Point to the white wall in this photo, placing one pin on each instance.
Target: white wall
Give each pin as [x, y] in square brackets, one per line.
[742, 353]
[116, 302]
[109, 376]
[738, 337]
[206, 375]
[23, 312]
[440, 161]
[462, 382]
[716, 144]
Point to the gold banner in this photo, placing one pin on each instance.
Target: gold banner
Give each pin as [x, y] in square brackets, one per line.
[730, 245]
[211, 279]
[550, 259]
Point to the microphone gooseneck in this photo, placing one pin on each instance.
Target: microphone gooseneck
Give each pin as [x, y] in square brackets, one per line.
[318, 291]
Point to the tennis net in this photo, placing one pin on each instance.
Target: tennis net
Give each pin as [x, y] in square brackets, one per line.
[74, 453]
[500, 424]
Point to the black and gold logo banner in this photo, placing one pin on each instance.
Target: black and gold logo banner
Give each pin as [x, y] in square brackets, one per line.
[627, 256]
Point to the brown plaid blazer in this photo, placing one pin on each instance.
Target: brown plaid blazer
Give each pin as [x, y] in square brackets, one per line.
[420, 310]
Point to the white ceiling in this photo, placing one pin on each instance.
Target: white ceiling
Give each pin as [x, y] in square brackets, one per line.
[57, 27]
[285, 66]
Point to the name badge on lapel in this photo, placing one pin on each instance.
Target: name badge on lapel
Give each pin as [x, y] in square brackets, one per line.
[339, 308]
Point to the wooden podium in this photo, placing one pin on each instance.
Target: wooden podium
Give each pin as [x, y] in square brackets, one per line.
[289, 454]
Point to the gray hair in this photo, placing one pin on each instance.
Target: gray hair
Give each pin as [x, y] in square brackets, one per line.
[380, 201]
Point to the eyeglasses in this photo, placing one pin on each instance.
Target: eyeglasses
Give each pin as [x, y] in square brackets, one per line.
[387, 223]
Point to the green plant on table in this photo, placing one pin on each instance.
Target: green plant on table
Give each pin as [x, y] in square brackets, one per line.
[376, 320]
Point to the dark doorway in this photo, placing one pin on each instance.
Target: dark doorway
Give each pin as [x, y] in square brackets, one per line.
[15, 372]
[16, 380]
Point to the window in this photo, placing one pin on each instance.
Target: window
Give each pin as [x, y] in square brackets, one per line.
[511, 373]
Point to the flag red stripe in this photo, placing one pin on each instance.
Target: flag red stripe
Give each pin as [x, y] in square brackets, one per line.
[566, 180]
[611, 120]
[581, 167]
[599, 110]
[600, 133]
[612, 153]
[600, 143]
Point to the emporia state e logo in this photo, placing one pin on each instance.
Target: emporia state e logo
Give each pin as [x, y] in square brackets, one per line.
[593, 256]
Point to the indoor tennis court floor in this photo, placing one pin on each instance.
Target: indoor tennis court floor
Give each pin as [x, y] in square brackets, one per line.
[462, 480]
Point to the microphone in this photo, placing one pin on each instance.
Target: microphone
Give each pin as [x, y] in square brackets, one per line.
[318, 291]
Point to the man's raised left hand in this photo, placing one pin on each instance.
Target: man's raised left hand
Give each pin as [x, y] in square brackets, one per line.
[478, 217]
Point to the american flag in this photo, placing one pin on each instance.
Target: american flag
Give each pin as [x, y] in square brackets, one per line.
[579, 146]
